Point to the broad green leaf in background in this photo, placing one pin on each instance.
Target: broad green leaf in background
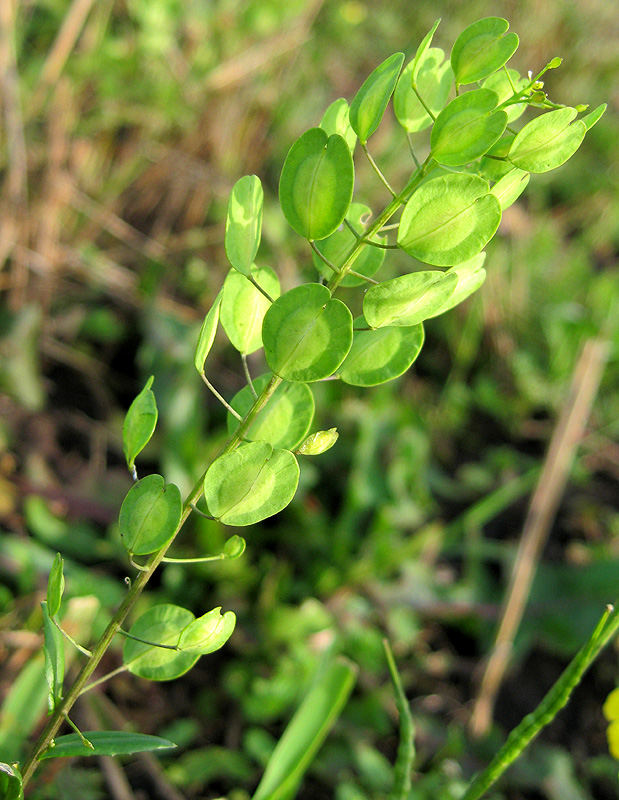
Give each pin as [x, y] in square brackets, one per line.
[207, 333]
[408, 299]
[509, 188]
[54, 658]
[336, 247]
[449, 219]
[378, 356]
[503, 83]
[286, 418]
[149, 515]
[244, 223]
[336, 119]
[243, 307]
[316, 184]
[422, 51]
[306, 334]
[467, 128]
[55, 586]
[318, 443]
[306, 732]
[370, 102]
[208, 632]
[10, 782]
[160, 625]
[140, 422]
[106, 743]
[547, 141]
[470, 275]
[434, 81]
[250, 484]
[594, 116]
[481, 49]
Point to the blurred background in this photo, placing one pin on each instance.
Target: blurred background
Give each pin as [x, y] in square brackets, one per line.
[125, 124]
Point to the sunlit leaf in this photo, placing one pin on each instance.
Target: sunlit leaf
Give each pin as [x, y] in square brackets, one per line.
[159, 625]
[422, 51]
[434, 81]
[594, 116]
[149, 515]
[243, 307]
[467, 128]
[510, 187]
[503, 83]
[207, 334]
[370, 102]
[11, 787]
[471, 276]
[336, 119]
[407, 300]
[208, 632]
[547, 141]
[106, 743]
[55, 586]
[140, 422]
[54, 658]
[244, 223]
[481, 49]
[378, 356]
[318, 443]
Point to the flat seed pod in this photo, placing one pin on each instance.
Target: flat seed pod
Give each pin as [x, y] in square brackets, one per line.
[140, 423]
[467, 128]
[509, 188]
[408, 299]
[434, 82]
[470, 277]
[379, 356]
[422, 50]
[336, 119]
[481, 49]
[547, 141]
[306, 334]
[250, 484]
[208, 632]
[316, 185]
[286, 418]
[370, 102]
[244, 223]
[448, 220]
[207, 334]
[160, 625]
[503, 83]
[336, 247]
[243, 307]
[149, 515]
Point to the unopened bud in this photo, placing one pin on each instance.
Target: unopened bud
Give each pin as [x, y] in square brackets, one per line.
[318, 442]
[234, 547]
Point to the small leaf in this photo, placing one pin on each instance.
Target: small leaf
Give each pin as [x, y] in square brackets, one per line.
[336, 119]
[251, 483]
[149, 515]
[55, 586]
[434, 81]
[306, 732]
[140, 423]
[408, 299]
[481, 49]
[593, 116]
[207, 633]
[234, 548]
[54, 658]
[370, 102]
[381, 355]
[467, 128]
[243, 307]
[422, 52]
[244, 223]
[106, 743]
[306, 334]
[510, 187]
[547, 141]
[318, 443]
[11, 786]
[316, 184]
[207, 334]
[449, 219]
[337, 246]
[161, 625]
[285, 419]
[471, 276]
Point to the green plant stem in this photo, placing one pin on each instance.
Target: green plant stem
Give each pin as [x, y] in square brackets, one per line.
[146, 641]
[63, 708]
[547, 710]
[406, 746]
[221, 398]
[250, 383]
[424, 104]
[378, 171]
[71, 639]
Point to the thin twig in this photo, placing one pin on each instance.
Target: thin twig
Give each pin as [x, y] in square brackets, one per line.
[250, 383]
[221, 399]
[378, 171]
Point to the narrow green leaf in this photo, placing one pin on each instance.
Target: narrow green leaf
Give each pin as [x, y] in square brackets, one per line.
[54, 658]
[510, 187]
[207, 334]
[449, 220]
[547, 141]
[306, 732]
[318, 443]
[422, 52]
[306, 334]
[316, 184]
[161, 625]
[407, 300]
[593, 116]
[244, 223]
[434, 82]
[208, 632]
[106, 743]
[139, 424]
[336, 119]
[285, 419]
[381, 355]
[149, 515]
[11, 787]
[55, 586]
[467, 128]
[481, 49]
[251, 483]
[370, 102]
[243, 307]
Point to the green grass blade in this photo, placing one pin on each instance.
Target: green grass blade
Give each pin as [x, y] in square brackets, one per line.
[406, 747]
